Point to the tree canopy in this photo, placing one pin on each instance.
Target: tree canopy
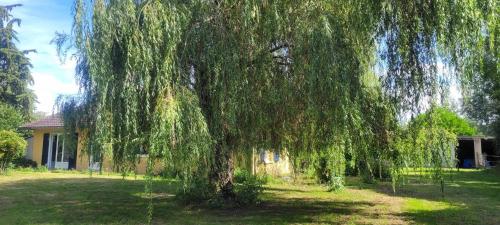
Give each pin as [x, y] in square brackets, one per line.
[430, 139]
[482, 100]
[10, 118]
[15, 76]
[444, 118]
[195, 82]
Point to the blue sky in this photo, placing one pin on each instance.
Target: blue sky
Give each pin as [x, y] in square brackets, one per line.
[40, 20]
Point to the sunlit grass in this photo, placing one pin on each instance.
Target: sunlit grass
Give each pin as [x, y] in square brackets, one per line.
[60, 197]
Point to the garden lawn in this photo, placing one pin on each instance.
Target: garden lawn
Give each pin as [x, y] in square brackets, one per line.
[472, 197]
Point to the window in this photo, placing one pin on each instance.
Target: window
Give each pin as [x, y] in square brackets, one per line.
[276, 156]
[59, 155]
[262, 156]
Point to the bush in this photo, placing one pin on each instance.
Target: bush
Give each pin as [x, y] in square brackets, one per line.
[248, 187]
[241, 175]
[22, 162]
[11, 146]
[336, 184]
[41, 169]
[248, 191]
[323, 173]
[199, 189]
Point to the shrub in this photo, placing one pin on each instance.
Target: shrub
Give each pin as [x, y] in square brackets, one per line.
[11, 146]
[168, 173]
[323, 172]
[22, 162]
[248, 187]
[248, 191]
[336, 184]
[197, 190]
[41, 169]
[241, 175]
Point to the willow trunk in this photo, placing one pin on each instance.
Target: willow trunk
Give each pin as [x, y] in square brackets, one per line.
[223, 171]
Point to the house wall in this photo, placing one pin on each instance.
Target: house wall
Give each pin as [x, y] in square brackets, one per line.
[256, 165]
[263, 162]
[268, 164]
[82, 159]
[28, 154]
[142, 166]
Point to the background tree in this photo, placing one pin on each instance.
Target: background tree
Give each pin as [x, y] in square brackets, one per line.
[10, 118]
[482, 80]
[444, 118]
[15, 67]
[194, 82]
[482, 98]
[428, 142]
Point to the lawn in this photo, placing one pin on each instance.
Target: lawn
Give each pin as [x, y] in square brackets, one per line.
[473, 197]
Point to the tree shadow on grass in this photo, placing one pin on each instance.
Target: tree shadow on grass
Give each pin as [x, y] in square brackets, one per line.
[116, 201]
[470, 197]
[276, 211]
[78, 200]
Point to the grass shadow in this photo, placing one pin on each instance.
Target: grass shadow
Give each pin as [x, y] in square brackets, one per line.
[80, 200]
[102, 200]
[47, 198]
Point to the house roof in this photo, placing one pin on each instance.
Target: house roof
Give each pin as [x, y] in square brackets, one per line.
[53, 120]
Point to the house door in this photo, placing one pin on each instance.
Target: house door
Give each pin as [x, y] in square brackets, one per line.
[58, 156]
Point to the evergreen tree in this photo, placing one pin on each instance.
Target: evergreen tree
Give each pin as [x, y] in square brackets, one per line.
[15, 76]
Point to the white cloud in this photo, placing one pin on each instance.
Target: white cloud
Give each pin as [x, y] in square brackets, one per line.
[47, 88]
[40, 20]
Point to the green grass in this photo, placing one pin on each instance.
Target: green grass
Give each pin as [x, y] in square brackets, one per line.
[28, 197]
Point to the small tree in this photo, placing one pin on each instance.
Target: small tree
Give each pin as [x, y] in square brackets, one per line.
[11, 146]
[10, 118]
[443, 117]
[428, 142]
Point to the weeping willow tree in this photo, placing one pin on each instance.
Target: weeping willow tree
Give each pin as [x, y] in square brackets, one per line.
[194, 82]
[482, 83]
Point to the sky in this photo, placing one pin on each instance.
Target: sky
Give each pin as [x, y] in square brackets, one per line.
[40, 19]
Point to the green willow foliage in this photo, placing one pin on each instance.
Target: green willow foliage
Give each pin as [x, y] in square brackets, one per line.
[482, 83]
[428, 145]
[194, 82]
[482, 103]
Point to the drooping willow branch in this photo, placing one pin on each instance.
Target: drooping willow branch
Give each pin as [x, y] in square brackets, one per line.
[199, 81]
